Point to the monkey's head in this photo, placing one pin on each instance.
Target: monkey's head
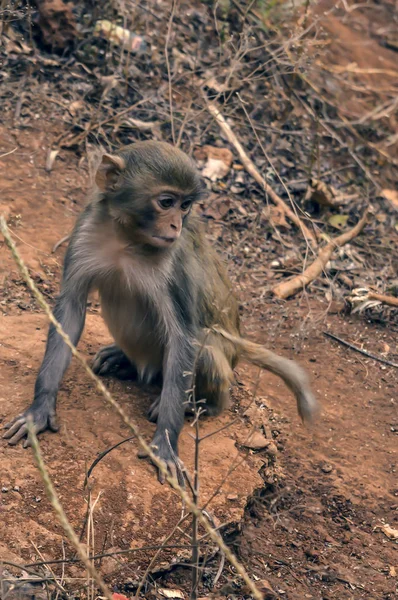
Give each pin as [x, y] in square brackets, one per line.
[149, 188]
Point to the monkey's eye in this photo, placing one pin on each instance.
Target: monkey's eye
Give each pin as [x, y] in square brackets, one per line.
[185, 206]
[166, 201]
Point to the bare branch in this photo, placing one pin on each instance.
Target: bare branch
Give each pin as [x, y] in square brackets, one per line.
[292, 286]
[251, 168]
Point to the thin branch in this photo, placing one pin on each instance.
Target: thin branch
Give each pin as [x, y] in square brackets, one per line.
[63, 519]
[360, 350]
[383, 298]
[252, 170]
[102, 455]
[294, 285]
[166, 53]
[8, 153]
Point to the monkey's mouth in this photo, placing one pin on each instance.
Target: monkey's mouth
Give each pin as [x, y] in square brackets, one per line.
[163, 241]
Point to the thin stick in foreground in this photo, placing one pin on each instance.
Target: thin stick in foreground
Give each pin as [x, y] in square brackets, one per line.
[63, 519]
[252, 170]
[296, 284]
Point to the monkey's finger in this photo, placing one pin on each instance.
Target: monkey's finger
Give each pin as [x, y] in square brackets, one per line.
[14, 427]
[11, 423]
[107, 366]
[142, 453]
[110, 355]
[21, 432]
[27, 443]
[173, 470]
[153, 412]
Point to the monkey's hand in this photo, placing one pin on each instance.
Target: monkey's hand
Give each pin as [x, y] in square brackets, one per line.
[42, 416]
[168, 454]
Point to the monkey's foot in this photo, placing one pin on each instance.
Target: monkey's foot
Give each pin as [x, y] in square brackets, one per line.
[111, 360]
[43, 417]
[164, 451]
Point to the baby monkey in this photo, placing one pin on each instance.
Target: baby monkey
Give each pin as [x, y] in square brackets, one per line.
[165, 297]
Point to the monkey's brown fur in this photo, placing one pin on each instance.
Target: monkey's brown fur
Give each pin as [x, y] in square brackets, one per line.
[165, 296]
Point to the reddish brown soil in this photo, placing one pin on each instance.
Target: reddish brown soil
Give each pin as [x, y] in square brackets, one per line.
[314, 534]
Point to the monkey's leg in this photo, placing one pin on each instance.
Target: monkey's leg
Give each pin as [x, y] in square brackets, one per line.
[153, 411]
[214, 377]
[111, 360]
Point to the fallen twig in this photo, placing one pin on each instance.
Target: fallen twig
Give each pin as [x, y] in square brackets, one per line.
[252, 170]
[362, 298]
[364, 352]
[294, 285]
[8, 153]
[102, 454]
[383, 298]
[66, 238]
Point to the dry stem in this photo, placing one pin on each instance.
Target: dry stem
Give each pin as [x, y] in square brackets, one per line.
[383, 298]
[292, 286]
[63, 519]
[252, 170]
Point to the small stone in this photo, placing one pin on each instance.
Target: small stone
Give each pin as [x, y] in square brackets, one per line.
[232, 497]
[326, 468]
[37, 499]
[4, 490]
[256, 441]
[16, 488]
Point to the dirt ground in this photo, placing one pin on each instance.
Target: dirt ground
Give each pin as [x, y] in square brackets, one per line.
[314, 534]
[307, 516]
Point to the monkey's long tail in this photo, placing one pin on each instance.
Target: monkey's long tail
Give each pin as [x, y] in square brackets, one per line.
[289, 371]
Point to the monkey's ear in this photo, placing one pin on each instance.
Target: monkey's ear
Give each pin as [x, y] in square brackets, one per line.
[108, 172]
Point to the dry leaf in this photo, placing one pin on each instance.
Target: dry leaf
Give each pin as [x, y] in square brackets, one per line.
[323, 194]
[119, 35]
[276, 216]
[256, 441]
[392, 196]
[223, 154]
[389, 531]
[215, 169]
[218, 208]
[167, 593]
[75, 107]
[338, 221]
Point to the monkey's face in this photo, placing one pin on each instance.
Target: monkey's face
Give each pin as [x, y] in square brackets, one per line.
[169, 209]
[149, 189]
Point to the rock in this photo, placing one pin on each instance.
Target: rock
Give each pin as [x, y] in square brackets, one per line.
[326, 468]
[256, 441]
[232, 497]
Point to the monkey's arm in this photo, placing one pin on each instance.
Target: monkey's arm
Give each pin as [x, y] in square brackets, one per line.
[70, 311]
[177, 384]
